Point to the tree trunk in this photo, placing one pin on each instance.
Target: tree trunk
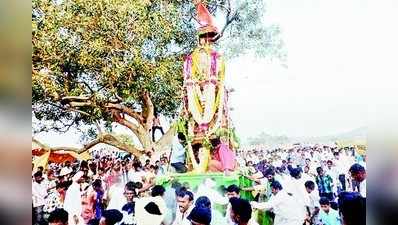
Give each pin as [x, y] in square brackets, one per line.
[145, 138]
[164, 143]
[123, 115]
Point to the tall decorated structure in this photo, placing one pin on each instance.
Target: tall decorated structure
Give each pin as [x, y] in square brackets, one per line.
[206, 112]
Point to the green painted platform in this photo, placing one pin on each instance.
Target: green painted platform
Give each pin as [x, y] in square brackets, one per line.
[193, 180]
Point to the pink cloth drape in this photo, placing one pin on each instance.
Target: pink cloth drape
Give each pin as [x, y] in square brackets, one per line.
[226, 156]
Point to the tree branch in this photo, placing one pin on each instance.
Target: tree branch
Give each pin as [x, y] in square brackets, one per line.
[129, 125]
[77, 101]
[39, 143]
[116, 100]
[105, 139]
[122, 121]
[227, 23]
[164, 143]
[78, 111]
[71, 149]
[68, 109]
[150, 111]
[80, 104]
[76, 98]
[88, 86]
[98, 128]
[113, 141]
[126, 110]
[118, 97]
[228, 19]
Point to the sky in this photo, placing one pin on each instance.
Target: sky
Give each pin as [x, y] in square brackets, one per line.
[327, 87]
[336, 60]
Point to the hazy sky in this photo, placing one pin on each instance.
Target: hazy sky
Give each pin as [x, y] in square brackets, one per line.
[334, 60]
[327, 86]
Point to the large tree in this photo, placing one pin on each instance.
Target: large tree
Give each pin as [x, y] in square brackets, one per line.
[98, 62]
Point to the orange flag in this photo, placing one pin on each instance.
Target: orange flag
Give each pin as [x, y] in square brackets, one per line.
[204, 17]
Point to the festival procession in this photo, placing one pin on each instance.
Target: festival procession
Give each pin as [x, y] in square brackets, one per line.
[131, 64]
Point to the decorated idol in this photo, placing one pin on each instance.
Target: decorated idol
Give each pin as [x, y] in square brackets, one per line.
[205, 99]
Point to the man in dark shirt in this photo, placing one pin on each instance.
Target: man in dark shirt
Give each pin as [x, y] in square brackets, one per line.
[325, 184]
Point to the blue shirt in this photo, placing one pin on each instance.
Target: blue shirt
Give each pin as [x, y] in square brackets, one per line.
[331, 218]
[324, 183]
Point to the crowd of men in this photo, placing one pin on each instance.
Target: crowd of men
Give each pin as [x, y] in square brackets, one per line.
[307, 183]
[319, 185]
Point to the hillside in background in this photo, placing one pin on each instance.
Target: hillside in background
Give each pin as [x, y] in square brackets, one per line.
[271, 140]
[356, 134]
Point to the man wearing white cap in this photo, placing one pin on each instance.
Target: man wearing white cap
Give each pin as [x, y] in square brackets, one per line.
[73, 199]
[64, 174]
[65, 171]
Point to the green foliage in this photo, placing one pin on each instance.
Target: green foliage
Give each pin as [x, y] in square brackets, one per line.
[229, 134]
[207, 144]
[182, 127]
[249, 34]
[105, 48]
[108, 49]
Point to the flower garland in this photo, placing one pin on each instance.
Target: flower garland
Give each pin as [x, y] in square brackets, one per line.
[220, 111]
[197, 73]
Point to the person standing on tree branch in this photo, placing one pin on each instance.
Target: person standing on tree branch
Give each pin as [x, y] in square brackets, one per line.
[156, 125]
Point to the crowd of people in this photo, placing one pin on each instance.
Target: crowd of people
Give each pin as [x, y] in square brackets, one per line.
[307, 183]
[321, 185]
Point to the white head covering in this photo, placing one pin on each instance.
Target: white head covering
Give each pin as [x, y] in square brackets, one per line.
[77, 176]
[65, 171]
[207, 188]
[73, 199]
[210, 183]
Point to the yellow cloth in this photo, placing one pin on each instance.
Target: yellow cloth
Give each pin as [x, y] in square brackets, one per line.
[41, 160]
[83, 156]
[359, 145]
[204, 157]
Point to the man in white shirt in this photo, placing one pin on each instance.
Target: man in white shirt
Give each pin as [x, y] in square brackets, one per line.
[283, 205]
[135, 173]
[73, 200]
[68, 167]
[299, 193]
[233, 191]
[307, 174]
[207, 188]
[177, 158]
[115, 195]
[314, 206]
[240, 212]
[39, 193]
[332, 172]
[341, 169]
[185, 205]
[145, 157]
